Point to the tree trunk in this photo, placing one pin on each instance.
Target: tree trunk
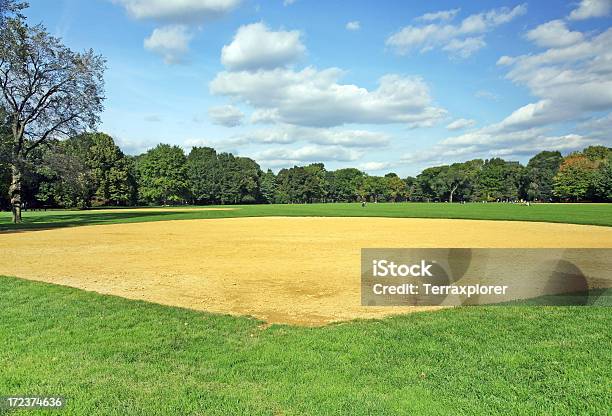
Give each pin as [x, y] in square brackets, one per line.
[15, 192]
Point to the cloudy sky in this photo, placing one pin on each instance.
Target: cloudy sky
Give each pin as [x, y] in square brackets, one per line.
[380, 85]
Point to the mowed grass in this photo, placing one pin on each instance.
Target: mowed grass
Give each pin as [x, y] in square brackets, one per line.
[112, 356]
[595, 214]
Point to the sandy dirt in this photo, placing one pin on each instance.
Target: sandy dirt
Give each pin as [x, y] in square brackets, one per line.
[302, 271]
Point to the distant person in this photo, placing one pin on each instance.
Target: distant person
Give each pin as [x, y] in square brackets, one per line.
[363, 204]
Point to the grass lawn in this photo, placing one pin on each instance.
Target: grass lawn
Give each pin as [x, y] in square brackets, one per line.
[112, 356]
[596, 214]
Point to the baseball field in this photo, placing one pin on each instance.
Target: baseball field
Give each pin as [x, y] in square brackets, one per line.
[256, 309]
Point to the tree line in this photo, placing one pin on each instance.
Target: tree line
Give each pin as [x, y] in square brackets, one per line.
[90, 170]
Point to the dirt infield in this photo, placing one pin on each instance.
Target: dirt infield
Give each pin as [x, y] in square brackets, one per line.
[301, 271]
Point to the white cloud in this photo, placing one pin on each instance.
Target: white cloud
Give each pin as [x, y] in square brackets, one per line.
[569, 81]
[255, 46]
[458, 39]
[460, 123]
[464, 48]
[572, 81]
[354, 25]
[598, 128]
[309, 153]
[490, 142]
[591, 8]
[171, 42]
[291, 134]
[441, 15]
[226, 115]
[288, 2]
[133, 146]
[554, 34]
[315, 98]
[178, 11]
[376, 166]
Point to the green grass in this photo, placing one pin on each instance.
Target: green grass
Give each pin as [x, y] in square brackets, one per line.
[596, 214]
[112, 356]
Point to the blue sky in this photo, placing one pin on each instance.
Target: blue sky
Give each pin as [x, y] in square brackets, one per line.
[384, 86]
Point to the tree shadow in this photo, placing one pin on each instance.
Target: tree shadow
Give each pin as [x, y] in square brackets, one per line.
[63, 220]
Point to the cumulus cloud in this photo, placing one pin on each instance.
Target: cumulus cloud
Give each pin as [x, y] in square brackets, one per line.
[286, 134]
[490, 142]
[460, 123]
[570, 80]
[441, 15]
[170, 42]
[554, 34]
[306, 154]
[226, 115]
[178, 11]
[179, 17]
[461, 39]
[375, 166]
[354, 25]
[316, 98]
[598, 128]
[255, 46]
[591, 8]
[464, 48]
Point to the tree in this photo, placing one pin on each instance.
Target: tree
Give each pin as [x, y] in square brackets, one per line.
[372, 188]
[315, 186]
[85, 170]
[395, 188]
[268, 187]
[67, 180]
[602, 181]
[203, 173]
[575, 178]
[499, 179]
[249, 177]
[109, 169]
[48, 91]
[162, 175]
[5, 151]
[344, 184]
[540, 171]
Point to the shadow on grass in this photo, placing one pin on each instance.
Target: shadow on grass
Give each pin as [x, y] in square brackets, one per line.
[90, 218]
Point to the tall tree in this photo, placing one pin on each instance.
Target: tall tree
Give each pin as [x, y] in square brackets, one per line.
[48, 91]
[203, 172]
[5, 160]
[575, 178]
[162, 175]
[540, 171]
[395, 188]
[268, 187]
[85, 170]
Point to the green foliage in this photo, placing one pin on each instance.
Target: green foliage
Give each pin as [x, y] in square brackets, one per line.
[268, 187]
[162, 175]
[540, 173]
[585, 175]
[83, 171]
[203, 171]
[499, 180]
[344, 185]
[602, 181]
